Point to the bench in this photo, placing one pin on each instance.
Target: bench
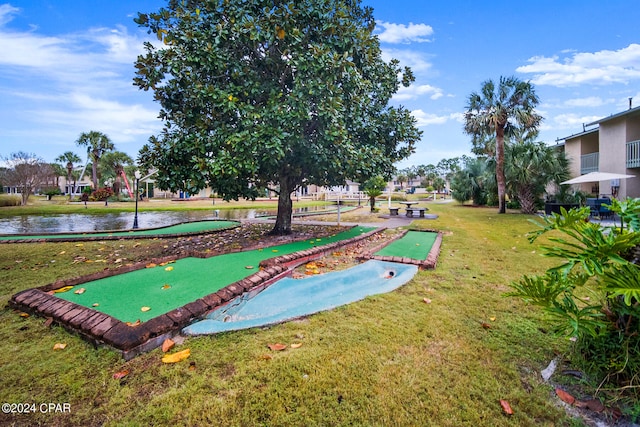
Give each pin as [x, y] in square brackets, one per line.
[420, 211]
[597, 209]
[393, 211]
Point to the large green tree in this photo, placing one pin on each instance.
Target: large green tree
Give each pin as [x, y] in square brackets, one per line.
[271, 94]
[97, 144]
[505, 110]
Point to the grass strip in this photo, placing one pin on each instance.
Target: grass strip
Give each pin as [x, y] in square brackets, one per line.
[185, 228]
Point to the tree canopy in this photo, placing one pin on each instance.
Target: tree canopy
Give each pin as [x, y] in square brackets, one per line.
[271, 94]
[507, 109]
[97, 144]
[27, 173]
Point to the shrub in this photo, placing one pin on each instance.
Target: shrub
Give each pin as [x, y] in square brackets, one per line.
[101, 194]
[10, 200]
[602, 264]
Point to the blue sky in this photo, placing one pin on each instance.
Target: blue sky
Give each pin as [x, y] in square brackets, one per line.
[66, 67]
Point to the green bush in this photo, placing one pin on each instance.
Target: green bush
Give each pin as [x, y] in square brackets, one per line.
[600, 263]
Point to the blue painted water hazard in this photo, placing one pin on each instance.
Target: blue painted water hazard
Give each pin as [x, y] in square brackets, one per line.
[293, 298]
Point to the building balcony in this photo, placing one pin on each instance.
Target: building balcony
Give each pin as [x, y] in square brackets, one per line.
[589, 163]
[633, 154]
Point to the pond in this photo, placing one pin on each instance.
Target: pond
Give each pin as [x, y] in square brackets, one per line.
[80, 223]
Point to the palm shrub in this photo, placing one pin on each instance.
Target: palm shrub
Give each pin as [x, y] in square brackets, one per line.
[593, 295]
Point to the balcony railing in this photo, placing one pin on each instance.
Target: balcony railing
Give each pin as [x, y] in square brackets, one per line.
[589, 163]
[633, 154]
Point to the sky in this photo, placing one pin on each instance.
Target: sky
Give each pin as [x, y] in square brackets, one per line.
[66, 67]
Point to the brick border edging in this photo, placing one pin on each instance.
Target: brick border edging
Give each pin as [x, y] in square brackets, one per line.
[427, 264]
[91, 237]
[102, 329]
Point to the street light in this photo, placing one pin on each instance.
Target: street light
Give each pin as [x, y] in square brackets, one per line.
[135, 218]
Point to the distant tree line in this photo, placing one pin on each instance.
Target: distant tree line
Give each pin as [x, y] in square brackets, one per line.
[29, 174]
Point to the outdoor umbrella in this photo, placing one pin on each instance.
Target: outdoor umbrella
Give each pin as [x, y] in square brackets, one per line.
[596, 177]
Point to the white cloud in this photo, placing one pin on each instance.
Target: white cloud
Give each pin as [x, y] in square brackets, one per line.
[73, 83]
[6, 13]
[417, 61]
[425, 119]
[415, 91]
[400, 33]
[572, 121]
[590, 101]
[602, 67]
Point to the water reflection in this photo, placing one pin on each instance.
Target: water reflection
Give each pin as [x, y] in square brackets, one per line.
[77, 223]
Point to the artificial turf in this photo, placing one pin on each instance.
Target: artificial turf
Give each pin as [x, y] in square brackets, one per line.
[163, 288]
[414, 245]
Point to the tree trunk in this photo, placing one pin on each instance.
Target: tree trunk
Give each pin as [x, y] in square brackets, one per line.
[372, 202]
[285, 209]
[94, 174]
[527, 198]
[502, 185]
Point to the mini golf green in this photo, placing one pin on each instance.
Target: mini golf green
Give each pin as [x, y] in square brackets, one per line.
[150, 292]
[184, 228]
[414, 245]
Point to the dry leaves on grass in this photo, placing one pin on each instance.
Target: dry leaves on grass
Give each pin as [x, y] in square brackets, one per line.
[167, 345]
[176, 357]
[277, 346]
[506, 408]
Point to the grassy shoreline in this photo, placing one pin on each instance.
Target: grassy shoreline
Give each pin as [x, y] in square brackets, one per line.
[391, 359]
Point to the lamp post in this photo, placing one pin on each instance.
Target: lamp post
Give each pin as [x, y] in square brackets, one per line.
[135, 218]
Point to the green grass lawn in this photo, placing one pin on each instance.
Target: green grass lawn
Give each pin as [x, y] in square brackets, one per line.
[389, 360]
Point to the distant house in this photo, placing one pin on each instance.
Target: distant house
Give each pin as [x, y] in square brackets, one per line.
[613, 145]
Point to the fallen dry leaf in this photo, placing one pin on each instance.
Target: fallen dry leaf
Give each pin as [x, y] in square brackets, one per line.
[120, 375]
[176, 357]
[506, 407]
[167, 345]
[95, 304]
[493, 319]
[296, 345]
[133, 324]
[166, 286]
[48, 322]
[192, 366]
[249, 267]
[266, 356]
[426, 300]
[168, 269]
[80, 291]
[145, 308]
[23, 314]
[277, 347]
[151, 265]
[486, 325]
[592, 404]
[565, 397]
[59, 346]
[63, 289]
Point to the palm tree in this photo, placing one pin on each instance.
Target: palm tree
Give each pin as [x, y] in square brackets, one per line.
[68, 158]
[112, 164]
[97, 144]
[505, 110]
[529, 167]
